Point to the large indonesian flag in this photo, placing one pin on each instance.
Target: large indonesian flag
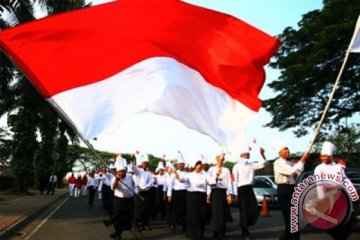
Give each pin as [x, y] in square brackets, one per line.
[100, 65]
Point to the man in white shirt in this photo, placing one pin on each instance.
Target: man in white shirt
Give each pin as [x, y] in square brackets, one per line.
[243, 172]
[284, 170]
[328, 167]
[124, 189]
[146, 188]
[52, 184]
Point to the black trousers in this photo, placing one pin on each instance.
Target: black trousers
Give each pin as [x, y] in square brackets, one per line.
[160, 205]
[179, 206]
[51, 188]
[248, 207]
[91, 190]
[219, 209]
[196, 215]
[145, 207]
[123, 213]
[284, 195]
[105, 191]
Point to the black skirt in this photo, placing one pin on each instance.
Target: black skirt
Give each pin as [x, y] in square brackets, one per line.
[178, 207]
[248, 207]
[219, 209]
[196, 215]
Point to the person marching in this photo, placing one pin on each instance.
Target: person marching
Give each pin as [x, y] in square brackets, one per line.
[84, 185]
[176, 193]
[197, 196]
[160, 181]
[243, 172]
[145, 184]
[123, 208]
[108, 193]
[221, 191]
[284, 171]
[52, 184]
[71, 182]
[100, 178]
[169, 171]
[343, 230]
[91, 186]
[78, 185]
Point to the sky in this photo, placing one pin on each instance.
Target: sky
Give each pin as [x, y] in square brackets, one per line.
[149, 133]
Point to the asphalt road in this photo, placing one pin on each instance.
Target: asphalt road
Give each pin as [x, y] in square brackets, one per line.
[73, 219]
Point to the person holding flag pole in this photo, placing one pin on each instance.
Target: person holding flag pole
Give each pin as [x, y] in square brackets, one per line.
[123, 211]
[283, 170]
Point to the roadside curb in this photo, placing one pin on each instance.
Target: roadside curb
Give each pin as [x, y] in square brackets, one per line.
[12, 229]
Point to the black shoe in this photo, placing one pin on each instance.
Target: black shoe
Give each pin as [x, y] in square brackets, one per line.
[146, 227]
[246, 237]
[106, 223]
[139, 227]
[172, 228]
[114, 235]
[282, 237]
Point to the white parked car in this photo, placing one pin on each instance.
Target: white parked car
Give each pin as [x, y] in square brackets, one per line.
[263, 188]
[268, 178]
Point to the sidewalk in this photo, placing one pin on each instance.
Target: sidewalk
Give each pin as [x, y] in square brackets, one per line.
[16, 209]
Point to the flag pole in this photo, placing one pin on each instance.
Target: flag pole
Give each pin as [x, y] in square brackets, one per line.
[89, 145]
[317, 130]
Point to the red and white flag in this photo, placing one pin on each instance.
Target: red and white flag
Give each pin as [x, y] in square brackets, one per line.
[100, 65]
[355, 41]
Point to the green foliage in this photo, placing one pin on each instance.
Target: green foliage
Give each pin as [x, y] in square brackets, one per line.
[29, 115]
[229, 165]
[309, 60]
[24, 146]
[347, 143]
[153, 162]
[5, 150]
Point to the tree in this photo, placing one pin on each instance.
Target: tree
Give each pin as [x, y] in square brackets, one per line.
[309, 60]
[347, 144]
[29, 116]
[5, 151]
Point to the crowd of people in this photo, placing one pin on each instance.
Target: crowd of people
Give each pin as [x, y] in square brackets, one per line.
[191, 194]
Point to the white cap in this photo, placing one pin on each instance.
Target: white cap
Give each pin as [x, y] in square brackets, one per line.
[130, 170]
[278, 145]
[137, 158]
[140, 158]
[191, 160]
[144, 158]
[170, 165]
[204, 159]
[120, 165]
[119, 158]
[120, 161]
[327, 148]
[245, 148]
[180, 158]
[160, 166]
